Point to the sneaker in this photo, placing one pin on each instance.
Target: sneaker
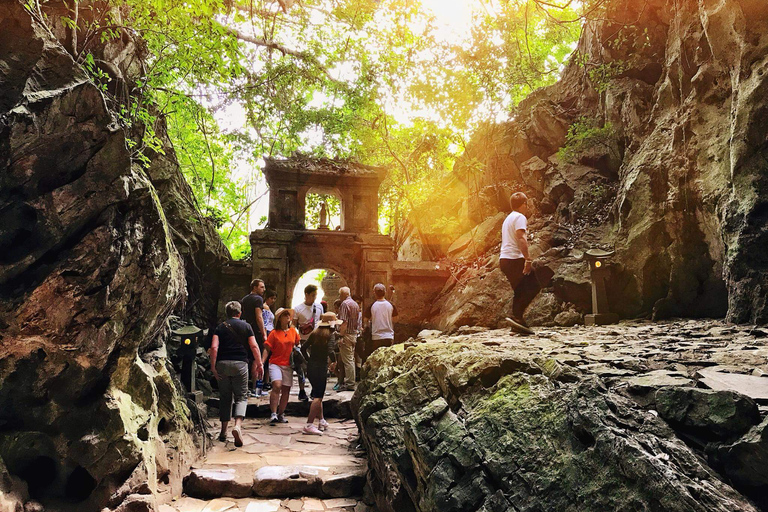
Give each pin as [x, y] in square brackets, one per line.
[281, 418]
[337, 386]
[519, 326]
[267, 386]
[303, 396]
[323, 425]
[223, 437]
[253, 394]
[274, 419]
[311, 430]
[238, 437]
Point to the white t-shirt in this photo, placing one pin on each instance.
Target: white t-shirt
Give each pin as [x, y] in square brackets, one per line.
[304, 315]
[509, 248]
[381, 313]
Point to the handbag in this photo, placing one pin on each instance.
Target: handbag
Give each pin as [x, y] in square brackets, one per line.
[309, 326]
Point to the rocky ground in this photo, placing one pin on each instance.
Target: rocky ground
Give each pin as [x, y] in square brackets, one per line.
[635, 416]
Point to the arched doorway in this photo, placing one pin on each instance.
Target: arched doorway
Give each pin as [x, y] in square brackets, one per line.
[328, 282]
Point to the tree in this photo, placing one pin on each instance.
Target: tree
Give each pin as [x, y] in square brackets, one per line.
[367, 79]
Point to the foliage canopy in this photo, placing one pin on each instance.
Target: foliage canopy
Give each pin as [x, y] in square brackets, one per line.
[381, 81]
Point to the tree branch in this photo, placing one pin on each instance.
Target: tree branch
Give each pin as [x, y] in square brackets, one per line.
[274, 45]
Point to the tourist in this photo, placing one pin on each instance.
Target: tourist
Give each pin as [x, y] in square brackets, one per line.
[317, 347]
[307, 316]
[380, 314]
[269, 324]
[515, 261]
[349, 313]
[253, 313]
[279, 347]
[269, 318]
[232, 341]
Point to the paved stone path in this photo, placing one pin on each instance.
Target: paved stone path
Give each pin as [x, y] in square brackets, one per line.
[328, 461]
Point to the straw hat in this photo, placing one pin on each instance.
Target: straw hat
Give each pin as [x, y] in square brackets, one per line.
[280, 312]
[329, 320]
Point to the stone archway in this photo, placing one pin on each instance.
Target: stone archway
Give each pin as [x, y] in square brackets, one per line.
[286, 249]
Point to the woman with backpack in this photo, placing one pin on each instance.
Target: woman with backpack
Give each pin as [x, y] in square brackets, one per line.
[232, 341]
[316, 350]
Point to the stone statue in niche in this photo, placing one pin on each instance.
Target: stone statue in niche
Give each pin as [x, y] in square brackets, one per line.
[323, 216]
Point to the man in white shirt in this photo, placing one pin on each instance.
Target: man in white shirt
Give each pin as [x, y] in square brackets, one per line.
[307, 317]
[515, 261]
[380, 313]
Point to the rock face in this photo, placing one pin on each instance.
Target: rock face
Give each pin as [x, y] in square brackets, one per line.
[89, 273]
[672, 173]
[462, 425]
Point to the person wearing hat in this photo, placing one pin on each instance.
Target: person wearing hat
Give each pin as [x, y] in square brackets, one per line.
[278, 348]
[317, 370]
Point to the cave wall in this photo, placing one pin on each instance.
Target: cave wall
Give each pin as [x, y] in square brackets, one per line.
[678, 186]
[96, 253]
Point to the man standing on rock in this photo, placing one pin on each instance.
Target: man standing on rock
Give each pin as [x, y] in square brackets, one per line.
[349, 314]
[515, 261]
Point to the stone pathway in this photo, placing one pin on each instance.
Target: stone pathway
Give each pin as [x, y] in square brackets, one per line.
[640, 356]
[279, 469]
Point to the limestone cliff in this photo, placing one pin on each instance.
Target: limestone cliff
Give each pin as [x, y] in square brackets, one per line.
[666, 103]
[95, 254]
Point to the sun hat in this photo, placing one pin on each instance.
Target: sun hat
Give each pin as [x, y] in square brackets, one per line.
[280, 312]
[329, 320]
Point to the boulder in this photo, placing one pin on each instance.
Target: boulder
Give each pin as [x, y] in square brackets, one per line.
[479, 239]
[716, 415]
[215, 483]
[744, 462]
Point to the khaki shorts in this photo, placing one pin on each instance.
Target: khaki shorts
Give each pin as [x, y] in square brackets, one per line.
[281, 373]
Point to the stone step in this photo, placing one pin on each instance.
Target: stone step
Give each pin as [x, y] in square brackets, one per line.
[276, 482]
[335, 406]
[308, 504]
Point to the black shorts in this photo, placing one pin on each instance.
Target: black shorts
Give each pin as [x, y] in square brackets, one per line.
[318, 377]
